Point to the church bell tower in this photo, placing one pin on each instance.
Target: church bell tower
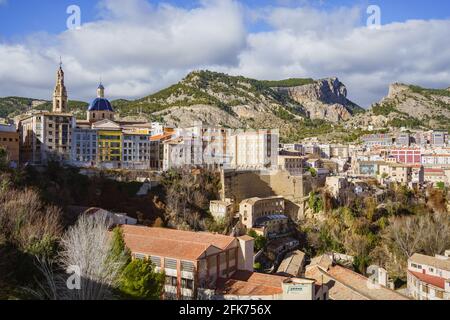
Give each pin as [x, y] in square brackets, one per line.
[60, 93]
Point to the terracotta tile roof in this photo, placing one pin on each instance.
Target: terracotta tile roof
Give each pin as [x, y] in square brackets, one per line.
[336, 290]
[359, 282]
[443, 264]
[432, 170]
[432, 280]
[165, 248]
[161, 137]
[246, 283]
[292, 264]
[172, 243]
[345, 284]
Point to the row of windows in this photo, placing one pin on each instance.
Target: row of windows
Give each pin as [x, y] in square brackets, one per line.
[10, 140]
[185, 283]
[168, 263]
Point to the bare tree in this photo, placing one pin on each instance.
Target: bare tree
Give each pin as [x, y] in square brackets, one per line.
[436, 237]
[405, 234]
[85, 250]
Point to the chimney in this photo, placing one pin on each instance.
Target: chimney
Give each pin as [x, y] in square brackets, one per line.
[246, 253]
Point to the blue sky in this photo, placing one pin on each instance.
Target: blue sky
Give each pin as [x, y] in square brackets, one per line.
[139, 46]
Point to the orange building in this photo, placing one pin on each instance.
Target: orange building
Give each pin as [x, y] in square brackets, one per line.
[9, 140]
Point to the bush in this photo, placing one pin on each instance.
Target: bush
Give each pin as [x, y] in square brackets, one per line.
[260, 241]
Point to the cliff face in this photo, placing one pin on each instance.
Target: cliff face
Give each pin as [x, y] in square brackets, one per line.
[324, 99]
[410, 106]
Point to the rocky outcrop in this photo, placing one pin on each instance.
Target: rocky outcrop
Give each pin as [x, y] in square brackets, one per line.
[409, 106]
[396, 89]
[324, 99]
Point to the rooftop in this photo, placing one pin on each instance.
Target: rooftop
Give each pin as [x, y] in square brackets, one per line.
[292, 264]
[246, 283]
[254, 200]
[432, 280]
[171, 243]
[262, 220]
[100, 104]
[440, 263]
[345, 284]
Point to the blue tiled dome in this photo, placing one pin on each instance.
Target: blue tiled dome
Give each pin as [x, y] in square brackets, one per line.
[100, 104]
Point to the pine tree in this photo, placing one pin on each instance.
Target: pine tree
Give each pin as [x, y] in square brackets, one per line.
[140, 282]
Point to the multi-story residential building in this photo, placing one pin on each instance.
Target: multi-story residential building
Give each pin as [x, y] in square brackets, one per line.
[190, 260]
[292, 164]
[215, 147]
[136, 149]
[157, 149]
[436, 159]
[255, 149]
[340, 151]
[439, 138]
[406, 155]
[436, 175]
[47, 136]
[367, 168]
[403, 139]
[377, 140]
[312, 149]
[110, 146]
[325, 151]
[84, 147]
[429, 277]
[402, 174]
[294, 147]
[9, 141]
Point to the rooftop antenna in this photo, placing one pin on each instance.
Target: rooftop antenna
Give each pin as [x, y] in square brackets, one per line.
[60, 62]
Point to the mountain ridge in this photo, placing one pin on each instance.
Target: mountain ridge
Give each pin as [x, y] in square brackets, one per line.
[409, 106]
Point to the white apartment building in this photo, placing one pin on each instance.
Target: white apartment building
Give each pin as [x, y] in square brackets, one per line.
[46, 136]
[136, 148]
[436, 159]
[255, 149]
[84, 147]
[429, 277]
[217, 147]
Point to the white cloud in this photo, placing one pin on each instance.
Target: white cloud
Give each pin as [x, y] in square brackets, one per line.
[366, 60]
[138, 48]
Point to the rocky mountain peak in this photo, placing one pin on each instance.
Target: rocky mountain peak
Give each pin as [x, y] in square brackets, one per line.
[397, 88]
[324, 99]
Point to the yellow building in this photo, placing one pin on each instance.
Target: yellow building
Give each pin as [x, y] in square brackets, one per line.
[110, 146]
